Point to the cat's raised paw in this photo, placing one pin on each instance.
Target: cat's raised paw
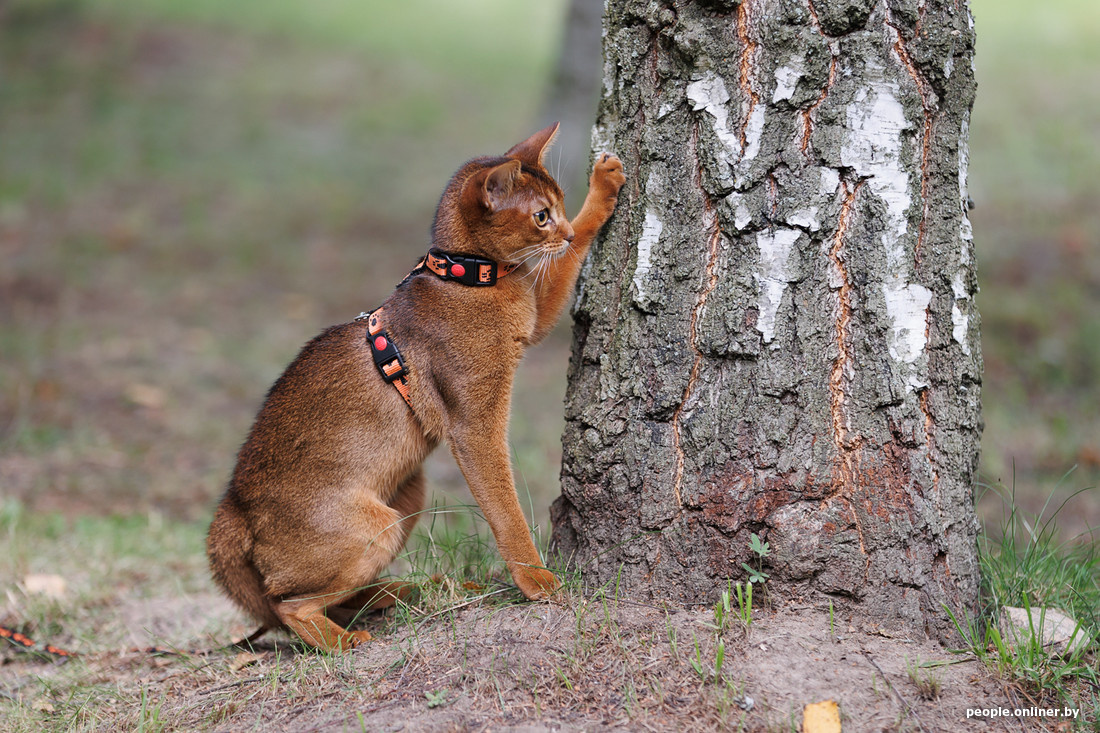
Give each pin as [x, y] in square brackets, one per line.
[608, 172]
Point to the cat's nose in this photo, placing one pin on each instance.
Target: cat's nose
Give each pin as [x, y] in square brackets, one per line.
[568, 233]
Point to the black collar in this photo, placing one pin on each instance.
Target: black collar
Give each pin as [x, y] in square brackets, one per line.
[466, 269]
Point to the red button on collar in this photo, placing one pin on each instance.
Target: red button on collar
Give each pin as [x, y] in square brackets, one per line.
[458, 270]
[380, 343]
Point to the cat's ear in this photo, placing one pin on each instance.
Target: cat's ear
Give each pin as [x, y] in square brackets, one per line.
[534, 148]
[497, 184]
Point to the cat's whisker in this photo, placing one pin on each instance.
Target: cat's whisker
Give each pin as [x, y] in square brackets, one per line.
[533, 272]
[526, 253]
[541, 268]
[538, 252]
[540, 271]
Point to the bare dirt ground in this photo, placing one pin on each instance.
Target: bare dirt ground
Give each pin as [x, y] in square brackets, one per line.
[581, 665]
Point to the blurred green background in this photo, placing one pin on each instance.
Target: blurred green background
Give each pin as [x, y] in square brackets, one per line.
[190, 190]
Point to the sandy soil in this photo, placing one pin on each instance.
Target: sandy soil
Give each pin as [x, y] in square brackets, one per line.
[585, 665]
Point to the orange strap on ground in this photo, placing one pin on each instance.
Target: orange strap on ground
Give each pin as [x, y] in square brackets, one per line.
[27, 643]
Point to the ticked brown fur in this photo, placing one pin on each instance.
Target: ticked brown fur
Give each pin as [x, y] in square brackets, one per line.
[329, 483]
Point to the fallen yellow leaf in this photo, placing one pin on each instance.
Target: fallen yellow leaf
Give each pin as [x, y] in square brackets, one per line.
[821, 717]
[146, 395]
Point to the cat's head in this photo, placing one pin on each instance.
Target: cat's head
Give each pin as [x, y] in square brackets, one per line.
[506, 208]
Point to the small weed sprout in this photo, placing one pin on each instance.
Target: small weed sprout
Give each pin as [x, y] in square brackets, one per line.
[744, 603]
[722, 612]
[719, 658]
[697, 662]
[672, 640]
[925, 679]
[761, 550]
[436, 698]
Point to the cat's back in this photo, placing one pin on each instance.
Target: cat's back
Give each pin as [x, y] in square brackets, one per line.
[327, 370]
[329, 409]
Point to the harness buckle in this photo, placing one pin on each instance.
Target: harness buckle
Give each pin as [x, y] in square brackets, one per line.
[386, 357]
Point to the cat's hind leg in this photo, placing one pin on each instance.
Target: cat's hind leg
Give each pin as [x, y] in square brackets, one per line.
[356, 551]
[408, 502]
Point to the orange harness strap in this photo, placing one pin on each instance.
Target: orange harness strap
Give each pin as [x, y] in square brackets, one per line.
[466, 269]
[386, 356]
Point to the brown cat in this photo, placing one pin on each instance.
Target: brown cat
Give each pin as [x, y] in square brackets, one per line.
[329, 483]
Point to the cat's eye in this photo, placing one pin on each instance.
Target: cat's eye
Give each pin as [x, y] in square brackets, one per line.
[542, 217]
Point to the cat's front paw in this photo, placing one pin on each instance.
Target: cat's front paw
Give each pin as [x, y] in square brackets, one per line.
[607, 175]
[535, 583]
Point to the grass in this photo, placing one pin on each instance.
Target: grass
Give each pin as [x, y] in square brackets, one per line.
[452, 656]
[1025, 565]
[925, 679]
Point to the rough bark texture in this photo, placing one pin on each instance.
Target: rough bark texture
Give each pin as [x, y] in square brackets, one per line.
[777, 333]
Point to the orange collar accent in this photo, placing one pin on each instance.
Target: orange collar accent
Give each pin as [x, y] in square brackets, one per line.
[466, 269]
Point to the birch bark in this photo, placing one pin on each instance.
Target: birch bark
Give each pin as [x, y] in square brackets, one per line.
[777, 333]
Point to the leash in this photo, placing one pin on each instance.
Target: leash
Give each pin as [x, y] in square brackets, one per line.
[469, 270]
[27, 644]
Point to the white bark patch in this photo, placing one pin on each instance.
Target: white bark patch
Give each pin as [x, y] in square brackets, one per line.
[608, 69]
[960, 321]
[960, 317]
[960, 327]
[786, 79]
[753, 132]
[876, 123]
[958, 286]
[873, 148]
[651, 234]
[775, 272]
[967, 232]
[806, 218]
[830, 181]
[601, 140]
[741, 216]
[906, 306]
[710, 94]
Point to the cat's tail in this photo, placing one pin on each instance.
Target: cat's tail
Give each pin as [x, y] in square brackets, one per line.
[229, 549]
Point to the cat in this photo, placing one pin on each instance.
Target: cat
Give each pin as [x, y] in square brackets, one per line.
[329, 483]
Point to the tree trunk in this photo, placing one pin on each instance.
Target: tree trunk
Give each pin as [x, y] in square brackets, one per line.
[777, 333]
